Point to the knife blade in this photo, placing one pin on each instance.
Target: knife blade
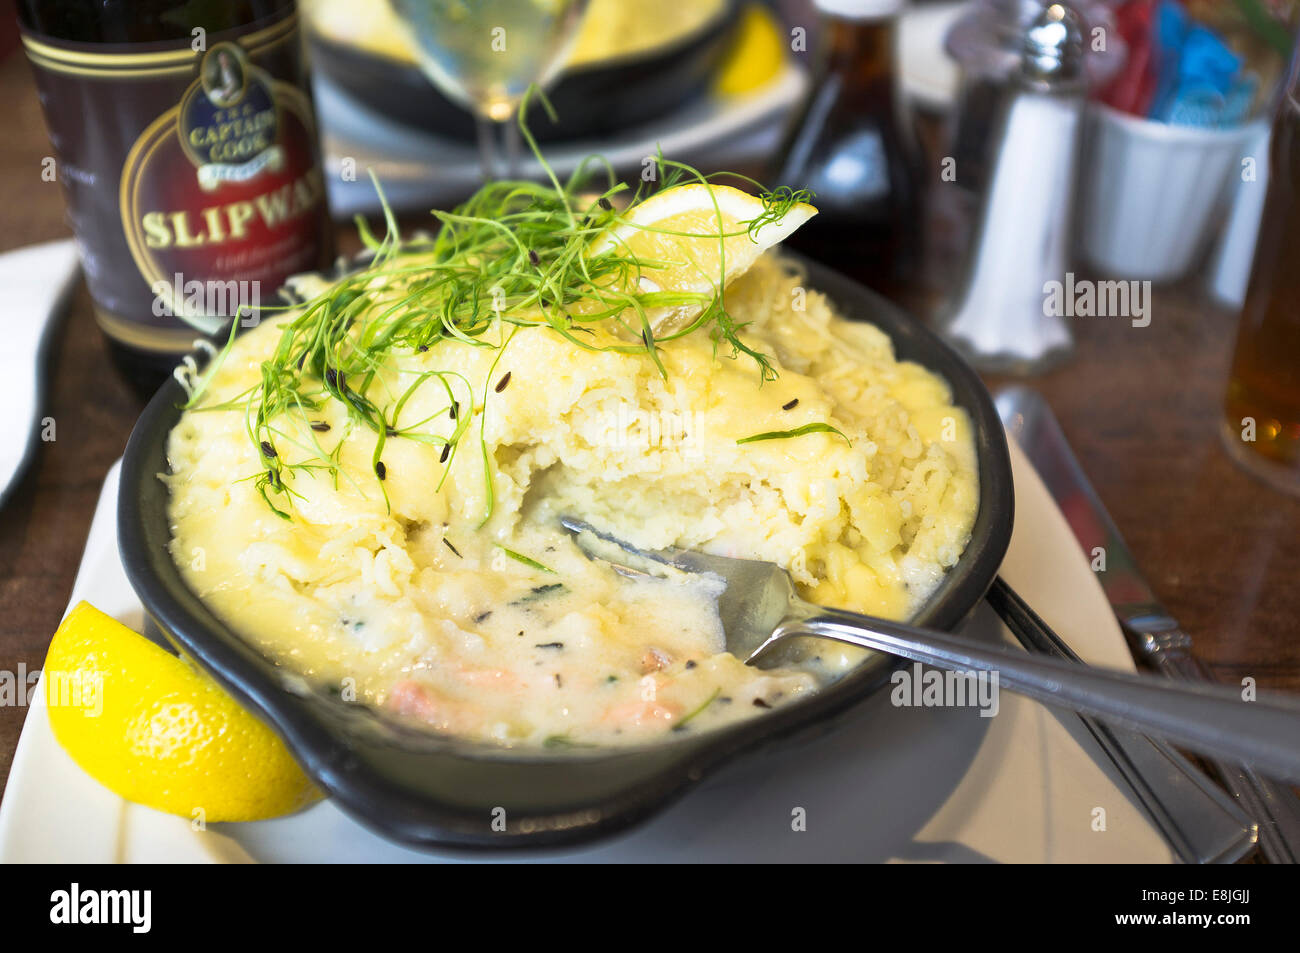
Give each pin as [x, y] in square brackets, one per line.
[1153, 634]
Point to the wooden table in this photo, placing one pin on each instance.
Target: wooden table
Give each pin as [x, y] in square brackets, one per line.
[1139, 405]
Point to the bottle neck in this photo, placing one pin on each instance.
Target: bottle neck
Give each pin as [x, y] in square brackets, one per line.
[860, 51]
[141, 21]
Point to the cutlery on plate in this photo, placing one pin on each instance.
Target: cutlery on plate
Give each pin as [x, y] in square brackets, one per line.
[1152, 633]
[1199, 821]
[759, 610]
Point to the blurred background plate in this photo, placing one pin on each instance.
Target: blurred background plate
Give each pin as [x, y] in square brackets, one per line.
[420, 170]
[717, 93]
[927, 75]
[630, 64]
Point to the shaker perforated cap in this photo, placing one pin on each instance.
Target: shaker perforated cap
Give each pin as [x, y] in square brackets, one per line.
[1052, 46]
[860, 9]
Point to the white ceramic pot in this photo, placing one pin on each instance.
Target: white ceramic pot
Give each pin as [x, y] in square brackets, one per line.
[1152, 194]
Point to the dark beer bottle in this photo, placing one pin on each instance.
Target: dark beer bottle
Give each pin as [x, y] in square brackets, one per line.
[185, 141]
[850, 144]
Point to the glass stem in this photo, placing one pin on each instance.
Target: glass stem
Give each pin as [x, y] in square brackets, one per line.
[513, 147]
[487, 149]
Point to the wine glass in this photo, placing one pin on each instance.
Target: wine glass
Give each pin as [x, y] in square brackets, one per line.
[485, 54]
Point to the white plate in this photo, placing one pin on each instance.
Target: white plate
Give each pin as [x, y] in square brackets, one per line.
[891, 784]
[928, 75]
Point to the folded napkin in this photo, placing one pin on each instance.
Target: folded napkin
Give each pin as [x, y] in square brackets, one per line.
[36, 280]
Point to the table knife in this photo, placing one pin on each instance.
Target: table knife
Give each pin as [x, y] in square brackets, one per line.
[1154, 635]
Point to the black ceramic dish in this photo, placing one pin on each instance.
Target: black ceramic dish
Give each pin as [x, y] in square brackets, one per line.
[593, 100]
[437, 792]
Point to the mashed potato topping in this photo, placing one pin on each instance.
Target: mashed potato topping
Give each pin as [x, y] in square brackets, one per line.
[397, 592]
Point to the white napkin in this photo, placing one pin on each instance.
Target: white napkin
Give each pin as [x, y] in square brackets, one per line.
[36, 280]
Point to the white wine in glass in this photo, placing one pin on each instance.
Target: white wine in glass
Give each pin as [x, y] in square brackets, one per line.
[485, 54]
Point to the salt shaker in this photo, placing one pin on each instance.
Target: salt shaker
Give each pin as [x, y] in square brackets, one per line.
[986, 41]
[1000, 316]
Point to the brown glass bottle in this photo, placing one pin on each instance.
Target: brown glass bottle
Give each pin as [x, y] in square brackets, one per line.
[185, 142]
[851, 145]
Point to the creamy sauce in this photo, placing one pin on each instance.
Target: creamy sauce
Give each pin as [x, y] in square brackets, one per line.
[412, 604]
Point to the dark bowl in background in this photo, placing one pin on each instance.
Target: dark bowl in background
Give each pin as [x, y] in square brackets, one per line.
[593, 100]
[435, 792]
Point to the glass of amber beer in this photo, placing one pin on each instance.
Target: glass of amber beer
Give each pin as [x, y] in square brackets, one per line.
[1261, 426]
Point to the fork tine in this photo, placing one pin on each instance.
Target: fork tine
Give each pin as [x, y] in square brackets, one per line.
[578, 527]
[683, 559]
[757, 594]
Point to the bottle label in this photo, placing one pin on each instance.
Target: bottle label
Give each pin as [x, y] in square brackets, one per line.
[192, 174]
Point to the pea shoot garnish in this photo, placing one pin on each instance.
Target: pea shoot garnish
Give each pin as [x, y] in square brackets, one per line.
[514, 255]
[527, 561]
[796, 432]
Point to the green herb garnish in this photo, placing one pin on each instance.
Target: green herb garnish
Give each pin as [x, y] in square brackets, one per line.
[539, 592]
[564, 741]
[513, 255]
[796, 432]
[691, 714]
[521, 558]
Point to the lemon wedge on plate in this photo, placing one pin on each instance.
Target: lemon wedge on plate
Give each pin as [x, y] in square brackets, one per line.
[156, 731]
[691, 238]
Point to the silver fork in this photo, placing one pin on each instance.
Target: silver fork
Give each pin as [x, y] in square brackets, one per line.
[760, 609]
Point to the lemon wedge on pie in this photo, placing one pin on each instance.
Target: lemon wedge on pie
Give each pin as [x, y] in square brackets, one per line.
[156, 731]
[694, 238]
